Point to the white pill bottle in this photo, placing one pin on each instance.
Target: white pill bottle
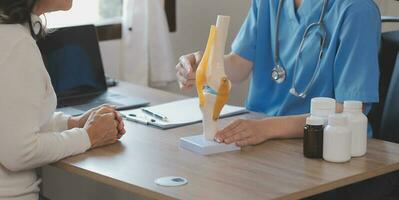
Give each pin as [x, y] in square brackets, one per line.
[357, 123]
[322, 107]
[337, 139]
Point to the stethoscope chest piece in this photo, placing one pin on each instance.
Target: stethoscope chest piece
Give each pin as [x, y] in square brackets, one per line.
[295, 93]
[278, 74]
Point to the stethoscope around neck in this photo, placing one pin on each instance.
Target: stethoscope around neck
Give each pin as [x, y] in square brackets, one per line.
[279, 73]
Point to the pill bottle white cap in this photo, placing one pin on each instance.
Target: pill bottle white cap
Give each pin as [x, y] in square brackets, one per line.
[314, 121]
[322, 106]
[337, 119]
[353, 105]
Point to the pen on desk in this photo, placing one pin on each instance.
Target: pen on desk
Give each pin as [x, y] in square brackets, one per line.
[134, 118]
[156, 115]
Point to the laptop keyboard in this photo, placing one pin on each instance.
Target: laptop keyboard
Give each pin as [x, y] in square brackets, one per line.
[89, 103]
[96, 103]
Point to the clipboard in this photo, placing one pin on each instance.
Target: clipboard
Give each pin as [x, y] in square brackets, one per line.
[179, 113]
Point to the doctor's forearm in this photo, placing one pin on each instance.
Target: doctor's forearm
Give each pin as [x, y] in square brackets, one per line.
[237, 68]
[289, 126]
[284, 126]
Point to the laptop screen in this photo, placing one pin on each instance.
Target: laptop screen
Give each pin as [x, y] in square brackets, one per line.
[72, 58]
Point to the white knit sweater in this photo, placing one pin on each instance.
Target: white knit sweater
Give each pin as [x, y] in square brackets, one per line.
[31, 134]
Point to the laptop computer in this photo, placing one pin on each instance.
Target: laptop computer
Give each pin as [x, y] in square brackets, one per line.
[73, 60]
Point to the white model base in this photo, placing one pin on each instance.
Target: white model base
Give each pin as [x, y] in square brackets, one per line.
[198, 144]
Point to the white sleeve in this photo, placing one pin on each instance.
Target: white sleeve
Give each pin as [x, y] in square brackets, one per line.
[58, 122]
[22, 86]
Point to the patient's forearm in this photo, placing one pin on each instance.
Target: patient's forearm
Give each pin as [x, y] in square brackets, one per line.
[73, 122]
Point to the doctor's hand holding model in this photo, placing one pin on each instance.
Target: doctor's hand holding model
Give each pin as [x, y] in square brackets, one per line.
[297, 50]
[31, 134]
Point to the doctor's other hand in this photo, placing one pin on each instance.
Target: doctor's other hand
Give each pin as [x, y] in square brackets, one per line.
[186, 69]
[243, 132]
[103, 127]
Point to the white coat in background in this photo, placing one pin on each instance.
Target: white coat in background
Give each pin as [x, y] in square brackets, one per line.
[146, 51]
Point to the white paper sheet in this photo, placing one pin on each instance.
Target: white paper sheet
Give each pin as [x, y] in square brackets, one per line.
[179, 113]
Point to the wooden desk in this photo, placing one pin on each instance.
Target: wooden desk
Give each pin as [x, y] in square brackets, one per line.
[273, 170]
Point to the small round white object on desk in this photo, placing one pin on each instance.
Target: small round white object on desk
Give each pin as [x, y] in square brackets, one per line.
[171, 181]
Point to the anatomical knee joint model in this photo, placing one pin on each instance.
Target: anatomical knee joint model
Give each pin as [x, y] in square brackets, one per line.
[213, 86]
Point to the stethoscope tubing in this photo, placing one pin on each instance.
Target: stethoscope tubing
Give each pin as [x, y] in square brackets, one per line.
[278, 67]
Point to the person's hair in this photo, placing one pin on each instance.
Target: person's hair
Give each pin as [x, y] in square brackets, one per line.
[19, 12]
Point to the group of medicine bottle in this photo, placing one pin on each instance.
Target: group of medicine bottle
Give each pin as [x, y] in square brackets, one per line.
[335, 137]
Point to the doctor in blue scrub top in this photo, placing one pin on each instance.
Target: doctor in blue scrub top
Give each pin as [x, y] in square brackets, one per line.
[297, 50]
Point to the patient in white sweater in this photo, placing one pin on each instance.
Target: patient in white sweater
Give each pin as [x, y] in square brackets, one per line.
[31, 134]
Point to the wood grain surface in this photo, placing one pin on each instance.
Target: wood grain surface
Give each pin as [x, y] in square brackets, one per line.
[275, 169]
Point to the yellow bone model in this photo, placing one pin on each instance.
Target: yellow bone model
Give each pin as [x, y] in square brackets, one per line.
[222, 97]
[203, 67]
[211, 79]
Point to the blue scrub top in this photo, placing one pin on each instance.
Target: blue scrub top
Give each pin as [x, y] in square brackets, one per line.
[349, 68]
